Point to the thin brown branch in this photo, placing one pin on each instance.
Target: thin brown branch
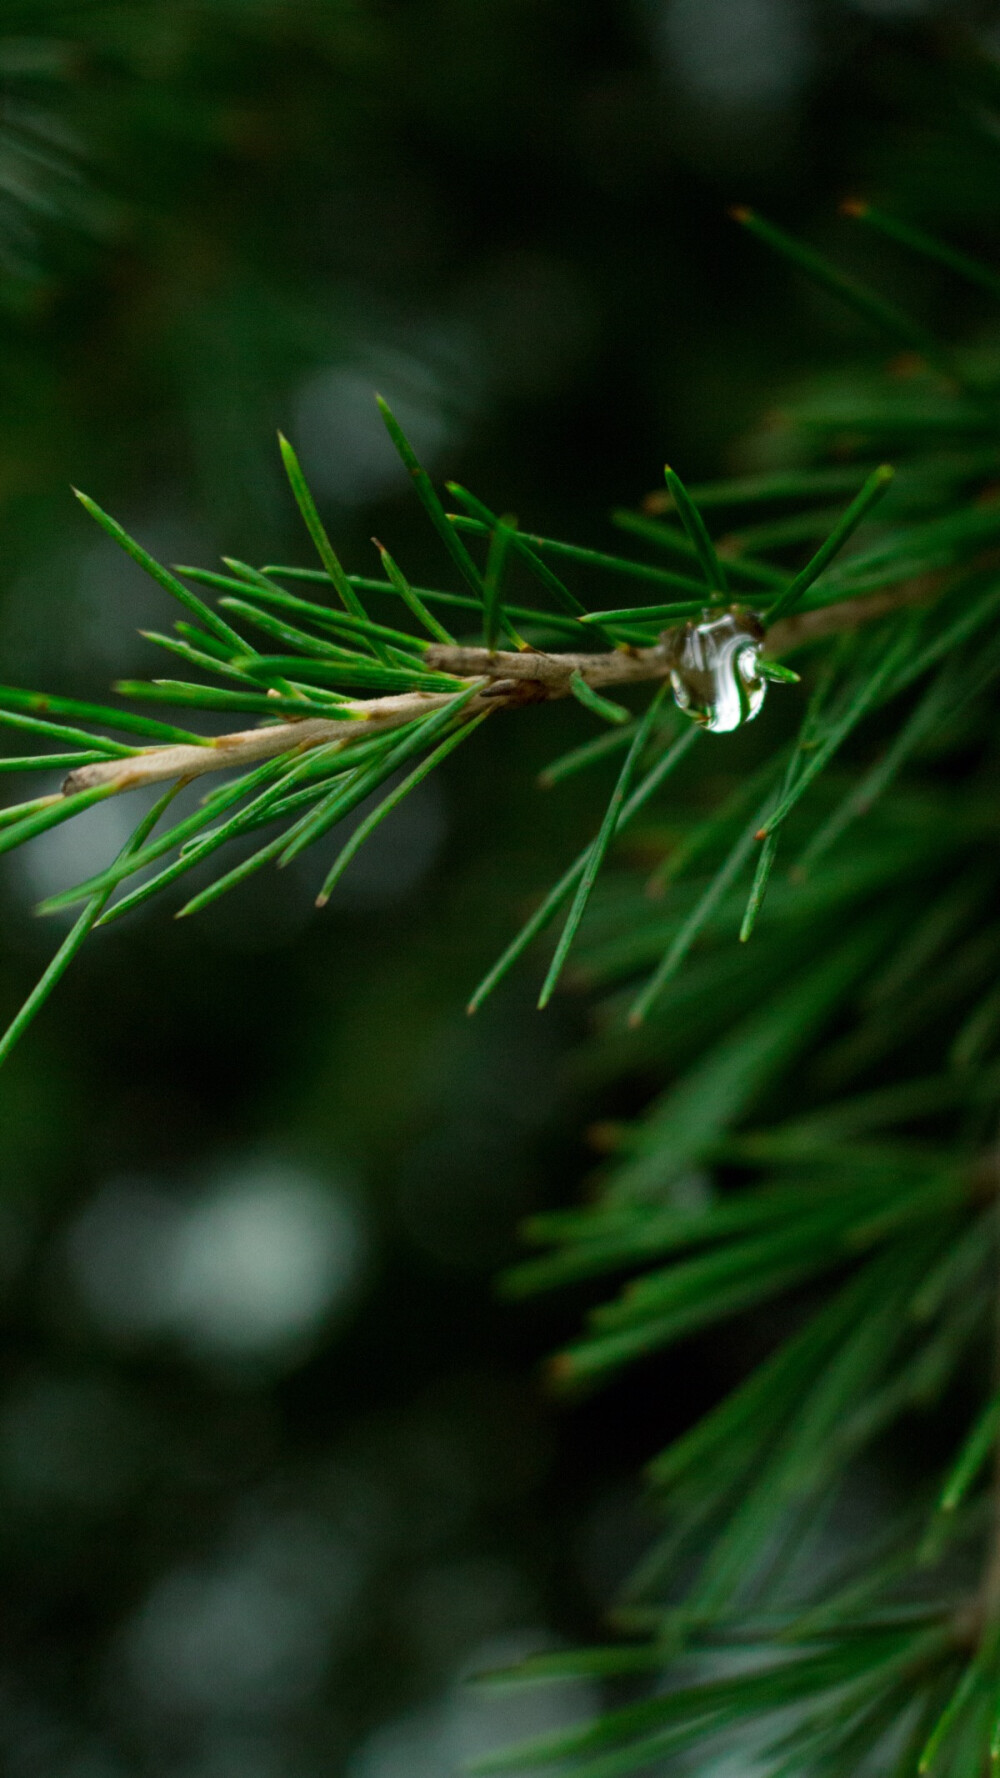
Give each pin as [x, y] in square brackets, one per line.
[247, 747]
[623, 666]
[511, 679]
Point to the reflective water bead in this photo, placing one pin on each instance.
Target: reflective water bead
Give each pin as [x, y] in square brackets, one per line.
[715, 670]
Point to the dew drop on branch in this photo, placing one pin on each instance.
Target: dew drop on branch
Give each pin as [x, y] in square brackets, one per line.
[715, 671]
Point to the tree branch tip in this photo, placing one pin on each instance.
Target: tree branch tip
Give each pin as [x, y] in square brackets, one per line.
[740, 213]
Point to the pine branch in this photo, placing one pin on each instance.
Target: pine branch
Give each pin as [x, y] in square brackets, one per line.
[889, 943]
[513, 680]
[329, 749]
[516, 679]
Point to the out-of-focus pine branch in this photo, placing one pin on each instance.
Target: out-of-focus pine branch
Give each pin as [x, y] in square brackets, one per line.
[826, 1145]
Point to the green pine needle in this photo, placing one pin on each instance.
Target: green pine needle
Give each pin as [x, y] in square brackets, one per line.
[777, 674]
[476, 509]
[874, 308]
[762, 875]
[875, 487]
[724, 877]
[392, 801]
[656, 615]
[74, 939]
[596, 853]
[597, 559]
[180, 835]
[429, 500]
[918, 241]
[493, 611]
[870, 691]
[176, 588]
[231, 879]
[550, 906]
[974, 1454]
[340, 802]
[23, 708]
[411, 598]
[694, 525]
[46, 812]
[592, 700]
[317, 531]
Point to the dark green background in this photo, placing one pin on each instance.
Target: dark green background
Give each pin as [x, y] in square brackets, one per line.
[277, 1558]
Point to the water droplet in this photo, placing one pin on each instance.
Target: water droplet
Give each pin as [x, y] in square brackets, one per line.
[715, 670]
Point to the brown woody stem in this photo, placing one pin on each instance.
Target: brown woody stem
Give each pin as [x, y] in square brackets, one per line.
[512, 679]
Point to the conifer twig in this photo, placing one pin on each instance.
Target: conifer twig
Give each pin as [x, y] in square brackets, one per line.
[514, 678]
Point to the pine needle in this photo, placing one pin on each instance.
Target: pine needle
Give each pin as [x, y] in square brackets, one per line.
[597, 852]
[694, 525]
[81, 929]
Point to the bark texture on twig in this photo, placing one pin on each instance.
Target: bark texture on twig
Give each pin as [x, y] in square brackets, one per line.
[511, 679]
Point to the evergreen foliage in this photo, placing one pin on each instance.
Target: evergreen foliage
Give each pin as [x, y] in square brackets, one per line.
[770, 1171]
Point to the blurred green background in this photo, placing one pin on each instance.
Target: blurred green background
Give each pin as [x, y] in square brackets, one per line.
[275, 1467]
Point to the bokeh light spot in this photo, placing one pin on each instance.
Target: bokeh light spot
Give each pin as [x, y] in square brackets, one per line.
[248, 1268]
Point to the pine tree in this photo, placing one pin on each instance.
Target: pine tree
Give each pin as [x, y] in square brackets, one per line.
[806, 961]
